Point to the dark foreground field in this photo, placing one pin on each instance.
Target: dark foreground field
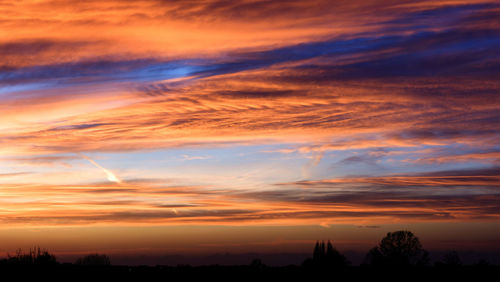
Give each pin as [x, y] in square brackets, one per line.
[71, 272]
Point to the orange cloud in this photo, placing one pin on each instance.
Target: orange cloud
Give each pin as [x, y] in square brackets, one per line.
[445, 196]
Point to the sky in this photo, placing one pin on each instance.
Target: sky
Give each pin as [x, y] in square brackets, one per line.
[248, 125]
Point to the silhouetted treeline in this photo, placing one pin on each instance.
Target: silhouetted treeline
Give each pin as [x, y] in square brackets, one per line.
[35, 256]
[399, 251]
[326, 256]
[94, 259]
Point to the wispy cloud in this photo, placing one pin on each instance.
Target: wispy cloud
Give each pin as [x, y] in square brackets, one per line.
[465, 195]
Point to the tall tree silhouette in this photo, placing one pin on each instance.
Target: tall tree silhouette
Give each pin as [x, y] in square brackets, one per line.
[398, 248]
[327, 256]
[319, 252]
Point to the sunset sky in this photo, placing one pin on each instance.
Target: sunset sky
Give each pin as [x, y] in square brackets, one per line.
[248, 125]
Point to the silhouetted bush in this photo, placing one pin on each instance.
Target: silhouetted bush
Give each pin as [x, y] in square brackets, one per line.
[35, 256]
[257, 264]
[400, 248]
[452, 259]
[483, 263]
[94, 259]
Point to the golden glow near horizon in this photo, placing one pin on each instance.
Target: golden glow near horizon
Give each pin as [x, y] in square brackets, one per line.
[248, 113]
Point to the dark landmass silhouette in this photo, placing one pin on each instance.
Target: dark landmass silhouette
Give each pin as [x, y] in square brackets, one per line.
[399, 255]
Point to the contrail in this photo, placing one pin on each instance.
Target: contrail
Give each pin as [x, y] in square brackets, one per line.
[111, 176]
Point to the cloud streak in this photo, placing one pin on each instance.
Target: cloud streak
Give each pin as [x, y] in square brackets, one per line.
[111, 176]
[456, 196]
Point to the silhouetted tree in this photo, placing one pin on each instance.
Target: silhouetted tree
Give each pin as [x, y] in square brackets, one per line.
[398, 248]
[94, 259]
[326, 256]
[35, 256]
[334, 258]
[319, 252]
